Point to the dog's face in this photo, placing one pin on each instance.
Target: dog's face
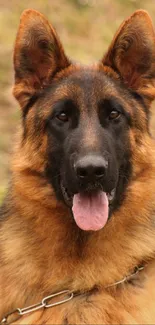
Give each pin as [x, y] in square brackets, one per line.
[83, 120]
[88, 141]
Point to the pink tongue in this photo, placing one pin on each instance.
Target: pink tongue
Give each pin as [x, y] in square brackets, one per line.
[90, 211]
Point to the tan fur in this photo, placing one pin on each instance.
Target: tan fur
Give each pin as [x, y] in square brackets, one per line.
[41, 250]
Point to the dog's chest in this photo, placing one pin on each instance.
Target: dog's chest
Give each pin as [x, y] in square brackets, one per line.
[131, 305]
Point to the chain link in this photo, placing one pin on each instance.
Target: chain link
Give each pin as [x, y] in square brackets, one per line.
[127, 277]
[18, 313]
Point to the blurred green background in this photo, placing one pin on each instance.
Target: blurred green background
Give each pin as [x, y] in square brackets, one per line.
[85, 27]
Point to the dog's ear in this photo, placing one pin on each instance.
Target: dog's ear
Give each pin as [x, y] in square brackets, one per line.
[132, 54]
[38, 55]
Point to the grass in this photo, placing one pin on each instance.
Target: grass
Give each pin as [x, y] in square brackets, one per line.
[86, 28]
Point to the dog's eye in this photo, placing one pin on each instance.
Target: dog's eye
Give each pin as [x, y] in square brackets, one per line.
[114, 115]
[62, 117]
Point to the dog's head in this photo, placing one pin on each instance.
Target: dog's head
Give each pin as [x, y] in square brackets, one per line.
[84, 128]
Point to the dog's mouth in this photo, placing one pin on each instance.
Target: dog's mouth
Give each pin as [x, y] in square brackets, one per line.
[90, 209]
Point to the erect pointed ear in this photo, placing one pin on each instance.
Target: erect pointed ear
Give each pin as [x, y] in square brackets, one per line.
[132, 54]
[38, 55]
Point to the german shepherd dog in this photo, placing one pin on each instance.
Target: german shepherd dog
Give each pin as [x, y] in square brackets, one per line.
[79, 215]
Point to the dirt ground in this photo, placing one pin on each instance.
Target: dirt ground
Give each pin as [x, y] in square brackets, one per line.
[86, 28]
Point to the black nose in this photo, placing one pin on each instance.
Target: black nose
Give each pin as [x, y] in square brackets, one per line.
[91, 168]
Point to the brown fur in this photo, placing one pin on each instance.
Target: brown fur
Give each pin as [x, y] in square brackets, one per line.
[42, 252]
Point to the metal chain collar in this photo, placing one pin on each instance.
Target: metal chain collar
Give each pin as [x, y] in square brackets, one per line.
[45, 303]
[18, 312]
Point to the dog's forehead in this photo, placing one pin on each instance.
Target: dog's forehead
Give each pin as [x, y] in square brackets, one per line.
[89, 80]
[84, 84]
